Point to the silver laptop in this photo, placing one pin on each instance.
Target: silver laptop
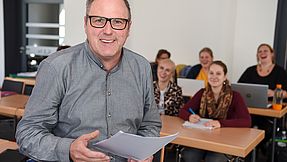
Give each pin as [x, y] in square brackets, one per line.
[254, 95]
[190, 86]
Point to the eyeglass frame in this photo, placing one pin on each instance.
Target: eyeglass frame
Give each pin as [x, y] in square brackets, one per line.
[107, 20]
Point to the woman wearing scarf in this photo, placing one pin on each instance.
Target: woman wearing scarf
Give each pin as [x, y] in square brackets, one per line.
[218, 102]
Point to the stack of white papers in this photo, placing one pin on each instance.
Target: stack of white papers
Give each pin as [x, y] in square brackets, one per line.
[199, 124]
[27, 74]
[133, 146]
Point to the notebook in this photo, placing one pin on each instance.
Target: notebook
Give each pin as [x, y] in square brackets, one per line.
[199, 124]
[190, 86]
[254, 95]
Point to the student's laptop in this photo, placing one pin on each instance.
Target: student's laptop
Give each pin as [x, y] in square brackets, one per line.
[190, 86]
[254, 95]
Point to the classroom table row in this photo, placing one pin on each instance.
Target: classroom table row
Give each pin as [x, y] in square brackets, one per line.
[5, 144]
[14, 106]
[26, 81]
[219, 140]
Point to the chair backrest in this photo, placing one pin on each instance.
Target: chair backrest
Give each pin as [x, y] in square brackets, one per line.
[28, 89]
[13, 86]
[178, 69]
[185, 71]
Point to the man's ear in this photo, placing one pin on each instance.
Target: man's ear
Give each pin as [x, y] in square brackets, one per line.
[85, 22]
[129, 27]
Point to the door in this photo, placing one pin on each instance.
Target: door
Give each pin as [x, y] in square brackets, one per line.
[43, 30]
[33, 29]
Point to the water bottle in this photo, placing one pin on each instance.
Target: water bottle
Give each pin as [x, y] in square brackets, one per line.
[282, 141]
[277, 98]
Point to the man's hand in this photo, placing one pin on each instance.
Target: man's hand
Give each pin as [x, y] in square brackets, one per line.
[146, 160]
[80, 153]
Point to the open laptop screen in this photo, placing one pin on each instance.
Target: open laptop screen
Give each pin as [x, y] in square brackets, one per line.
[254, 95]
[190, 86]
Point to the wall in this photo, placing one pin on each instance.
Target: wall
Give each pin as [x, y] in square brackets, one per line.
[74, 20]
[2, 70]
[233, 29]
[255, 24]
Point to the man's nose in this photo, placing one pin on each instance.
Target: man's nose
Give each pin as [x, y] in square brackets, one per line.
[108, 28]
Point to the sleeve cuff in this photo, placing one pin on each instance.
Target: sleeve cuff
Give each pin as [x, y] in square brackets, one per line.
[63, 149]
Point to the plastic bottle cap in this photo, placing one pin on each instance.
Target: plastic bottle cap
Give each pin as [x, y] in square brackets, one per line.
[278, 86]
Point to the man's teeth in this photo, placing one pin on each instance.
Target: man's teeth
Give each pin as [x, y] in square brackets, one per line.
[107, 41]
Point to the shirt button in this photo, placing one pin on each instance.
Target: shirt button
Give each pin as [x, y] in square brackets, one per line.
[109, 115]
[109, 93]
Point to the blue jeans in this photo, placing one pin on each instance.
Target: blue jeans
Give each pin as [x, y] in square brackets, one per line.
[196, 155]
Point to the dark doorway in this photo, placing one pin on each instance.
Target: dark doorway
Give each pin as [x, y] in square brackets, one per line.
[31, 33]
[12, 36]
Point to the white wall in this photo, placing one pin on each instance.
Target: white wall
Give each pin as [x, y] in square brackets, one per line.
[255, 24]
[1, 43]
[233, 29]
[74, 22]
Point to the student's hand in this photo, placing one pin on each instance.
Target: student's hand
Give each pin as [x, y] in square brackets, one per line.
[146, 160]
[213, 123]
[270, 93]
[194, 118]
[80, 153]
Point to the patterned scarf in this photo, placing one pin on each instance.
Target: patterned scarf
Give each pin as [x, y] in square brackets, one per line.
[215, 110]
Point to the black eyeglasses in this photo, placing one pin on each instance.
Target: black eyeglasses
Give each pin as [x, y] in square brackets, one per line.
[100, 22]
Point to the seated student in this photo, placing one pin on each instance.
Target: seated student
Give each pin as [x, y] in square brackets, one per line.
[168, 95]
[218, 102]
[265, 72]
[161, 55]
[200, 71]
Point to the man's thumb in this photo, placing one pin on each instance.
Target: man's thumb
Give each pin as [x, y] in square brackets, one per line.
[91, 135]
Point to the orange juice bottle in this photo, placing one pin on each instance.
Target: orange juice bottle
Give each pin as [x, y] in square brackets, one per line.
[278, 98]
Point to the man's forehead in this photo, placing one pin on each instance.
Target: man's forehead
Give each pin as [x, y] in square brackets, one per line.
[112, 7]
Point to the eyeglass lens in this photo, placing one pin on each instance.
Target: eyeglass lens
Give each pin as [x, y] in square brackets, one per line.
[100, 22]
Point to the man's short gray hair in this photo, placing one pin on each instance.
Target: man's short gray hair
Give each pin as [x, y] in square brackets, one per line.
[89, 3]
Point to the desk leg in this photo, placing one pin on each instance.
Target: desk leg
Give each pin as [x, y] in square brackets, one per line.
[273, 139]
[15, 125]
[236, 159]
[162, 155]
[254, 155]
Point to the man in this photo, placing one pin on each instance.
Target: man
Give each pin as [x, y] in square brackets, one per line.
[89, 92]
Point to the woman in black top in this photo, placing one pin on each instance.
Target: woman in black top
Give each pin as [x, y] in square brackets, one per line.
[268, 73]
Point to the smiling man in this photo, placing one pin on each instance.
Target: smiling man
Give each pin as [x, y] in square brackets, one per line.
[89, 92]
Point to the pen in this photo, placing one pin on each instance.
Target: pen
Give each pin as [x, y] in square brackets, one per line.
[191, 111]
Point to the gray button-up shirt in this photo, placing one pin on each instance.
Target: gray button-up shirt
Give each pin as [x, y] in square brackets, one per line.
[74, 95]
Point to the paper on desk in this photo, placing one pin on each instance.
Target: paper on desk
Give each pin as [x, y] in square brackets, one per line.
[27, 74]
[133, 146]
[199, 124]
